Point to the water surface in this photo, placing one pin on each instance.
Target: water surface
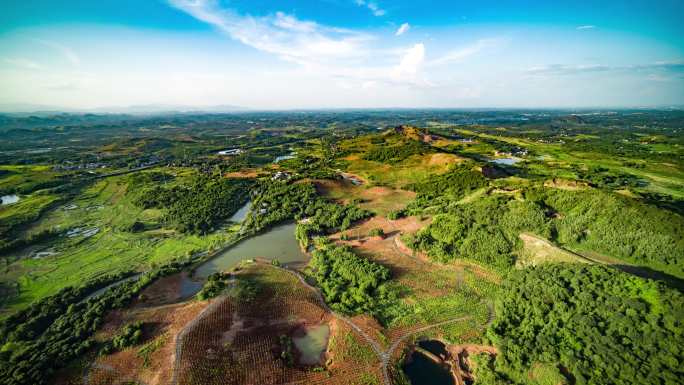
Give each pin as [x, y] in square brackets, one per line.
[283, 157]
[506, 161]
[423, 371]
[312, 344]
[9, 199]
[241, 214]
[278, 243]
[433, 346]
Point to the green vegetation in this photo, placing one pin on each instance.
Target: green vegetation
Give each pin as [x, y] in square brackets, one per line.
[377, 232]
[104, 211]
[603, 326]
[287, 350]
[48, 335]
[276, 202]
[131, 335]
[199, 206]
[350, 284]
[455, 184]
[397, 152]
[216, 283]
[485, 231]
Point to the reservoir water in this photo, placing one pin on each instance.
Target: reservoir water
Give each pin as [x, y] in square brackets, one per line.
[506, 161]
[278, 243]
[421, 370]
[9, 199]
[241, 214]
[283, 157]
[312, 344]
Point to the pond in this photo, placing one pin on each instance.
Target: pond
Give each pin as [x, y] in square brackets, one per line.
[421, 370]
[9, 199]
[189, 287]
[278, 243]
[433, 346]
[241, 214]
[312, 343]
[283, 157]
[506, 161]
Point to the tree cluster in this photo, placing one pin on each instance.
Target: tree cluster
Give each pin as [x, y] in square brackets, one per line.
[602, 326]
[200, 206]
[55, 330]
[350, 284]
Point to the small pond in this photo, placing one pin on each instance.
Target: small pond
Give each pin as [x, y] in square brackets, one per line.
[506, 161]
[9, 199]
[433, 346]
[312, 343]
[241, 214]
[283, 157]
[421, 370]
[189, 287]
[278, 243]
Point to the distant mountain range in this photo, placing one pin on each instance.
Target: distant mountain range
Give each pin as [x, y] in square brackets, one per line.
[146, 109]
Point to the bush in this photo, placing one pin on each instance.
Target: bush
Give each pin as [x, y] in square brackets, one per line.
[604, 326]
[377, 232]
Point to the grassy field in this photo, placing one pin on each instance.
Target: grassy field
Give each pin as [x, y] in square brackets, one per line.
[105, 209]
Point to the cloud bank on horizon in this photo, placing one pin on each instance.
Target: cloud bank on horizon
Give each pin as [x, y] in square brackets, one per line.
[342, 53]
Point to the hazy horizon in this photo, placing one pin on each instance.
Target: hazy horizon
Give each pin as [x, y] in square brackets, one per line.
[341, 54]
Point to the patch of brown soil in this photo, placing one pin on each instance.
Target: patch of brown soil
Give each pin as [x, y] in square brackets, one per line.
[163, 291]
[251, 354]
[461, 367]
[565, 184]
[379, 199]
[162, 325]
[441, 159]
[246, 173]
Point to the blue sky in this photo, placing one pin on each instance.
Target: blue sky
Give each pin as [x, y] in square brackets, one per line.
[342, 53]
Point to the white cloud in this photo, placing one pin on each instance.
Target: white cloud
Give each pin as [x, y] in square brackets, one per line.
[585, 27]
[402, 29]
[304, 42]
[23, 63]
[372, 6]
[342, 54]
[65, 51]
[562, 69]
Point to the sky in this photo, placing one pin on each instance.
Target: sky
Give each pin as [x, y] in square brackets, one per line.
[273, 55]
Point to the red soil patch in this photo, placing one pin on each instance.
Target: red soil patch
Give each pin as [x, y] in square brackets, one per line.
[162, 324]
[247, 173]
[238, 342]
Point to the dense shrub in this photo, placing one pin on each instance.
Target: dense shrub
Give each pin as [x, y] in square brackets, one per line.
[53, 331]
[485, 231]
[216, 283]
[200, 206]
[603, 326]
[276, 202]
[399, 152]
[620, 227]
[350, 284]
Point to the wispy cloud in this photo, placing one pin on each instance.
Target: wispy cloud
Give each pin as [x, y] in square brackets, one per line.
[402, 29]
[304, 42]
[372, 6]
[23, 63]
[342, 54]
[585, 27]
[460, 54]
[561, 69]
[63, 50]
